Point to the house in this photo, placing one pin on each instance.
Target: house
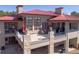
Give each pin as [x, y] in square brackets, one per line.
[38, 23]
[38, 28]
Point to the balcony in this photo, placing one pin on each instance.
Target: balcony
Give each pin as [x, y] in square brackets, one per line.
[43, 40]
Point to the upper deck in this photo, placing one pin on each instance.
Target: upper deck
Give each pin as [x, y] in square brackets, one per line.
[37, 40]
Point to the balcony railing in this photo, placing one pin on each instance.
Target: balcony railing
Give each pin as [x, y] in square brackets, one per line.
[9, 31]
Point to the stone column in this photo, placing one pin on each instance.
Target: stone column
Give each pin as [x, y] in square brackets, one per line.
[51, 41]
[78, 37]
[67, 39]
[33, 25]
[27, 46]
[2, 35]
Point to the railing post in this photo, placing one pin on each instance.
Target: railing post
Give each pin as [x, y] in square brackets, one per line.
[67, 39]
[51, 41]
[27, 46]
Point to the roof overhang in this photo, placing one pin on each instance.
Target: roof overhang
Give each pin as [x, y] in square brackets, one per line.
[8, 18]
[38, 14]
[65, 18]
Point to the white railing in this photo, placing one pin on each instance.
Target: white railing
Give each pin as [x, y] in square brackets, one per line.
[20, 36]
[72, 34]
[44, 40]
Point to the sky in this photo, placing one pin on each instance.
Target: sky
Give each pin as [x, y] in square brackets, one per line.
[67, 8]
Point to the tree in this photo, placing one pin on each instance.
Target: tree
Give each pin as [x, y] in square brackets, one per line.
[75, 13]
[2, 13]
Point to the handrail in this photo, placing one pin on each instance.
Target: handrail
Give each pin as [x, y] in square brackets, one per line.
[20, 36]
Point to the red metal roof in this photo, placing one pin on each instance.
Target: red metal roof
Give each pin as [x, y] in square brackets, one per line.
[7, 18]
[65, 18]
[39, 12]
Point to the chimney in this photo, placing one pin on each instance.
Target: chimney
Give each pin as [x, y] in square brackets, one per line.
[19, 9]
[59, 10]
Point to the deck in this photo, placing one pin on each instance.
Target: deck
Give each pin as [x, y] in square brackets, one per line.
[43, 40]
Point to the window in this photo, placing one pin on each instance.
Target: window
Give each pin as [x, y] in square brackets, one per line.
[37, 23]
[72, 26]
[9, 27]
[29, 22]
[45, 27]
[60, 27]
[6, 39]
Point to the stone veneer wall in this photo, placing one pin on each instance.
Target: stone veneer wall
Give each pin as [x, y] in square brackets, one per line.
[2, 38]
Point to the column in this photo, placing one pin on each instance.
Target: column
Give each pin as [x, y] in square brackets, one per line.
[2, 35]
[33, 25]
[27, 46]
[51, 41]
[78, 37]
[67, 39]
[24, 25]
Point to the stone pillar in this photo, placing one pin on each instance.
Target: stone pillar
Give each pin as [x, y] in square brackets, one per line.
[2, 35]
[27, 46]
[67, 39]
[33, 25]
[78, 37]
[51, 41]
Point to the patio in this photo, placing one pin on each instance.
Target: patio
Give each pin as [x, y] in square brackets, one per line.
[12, 49]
